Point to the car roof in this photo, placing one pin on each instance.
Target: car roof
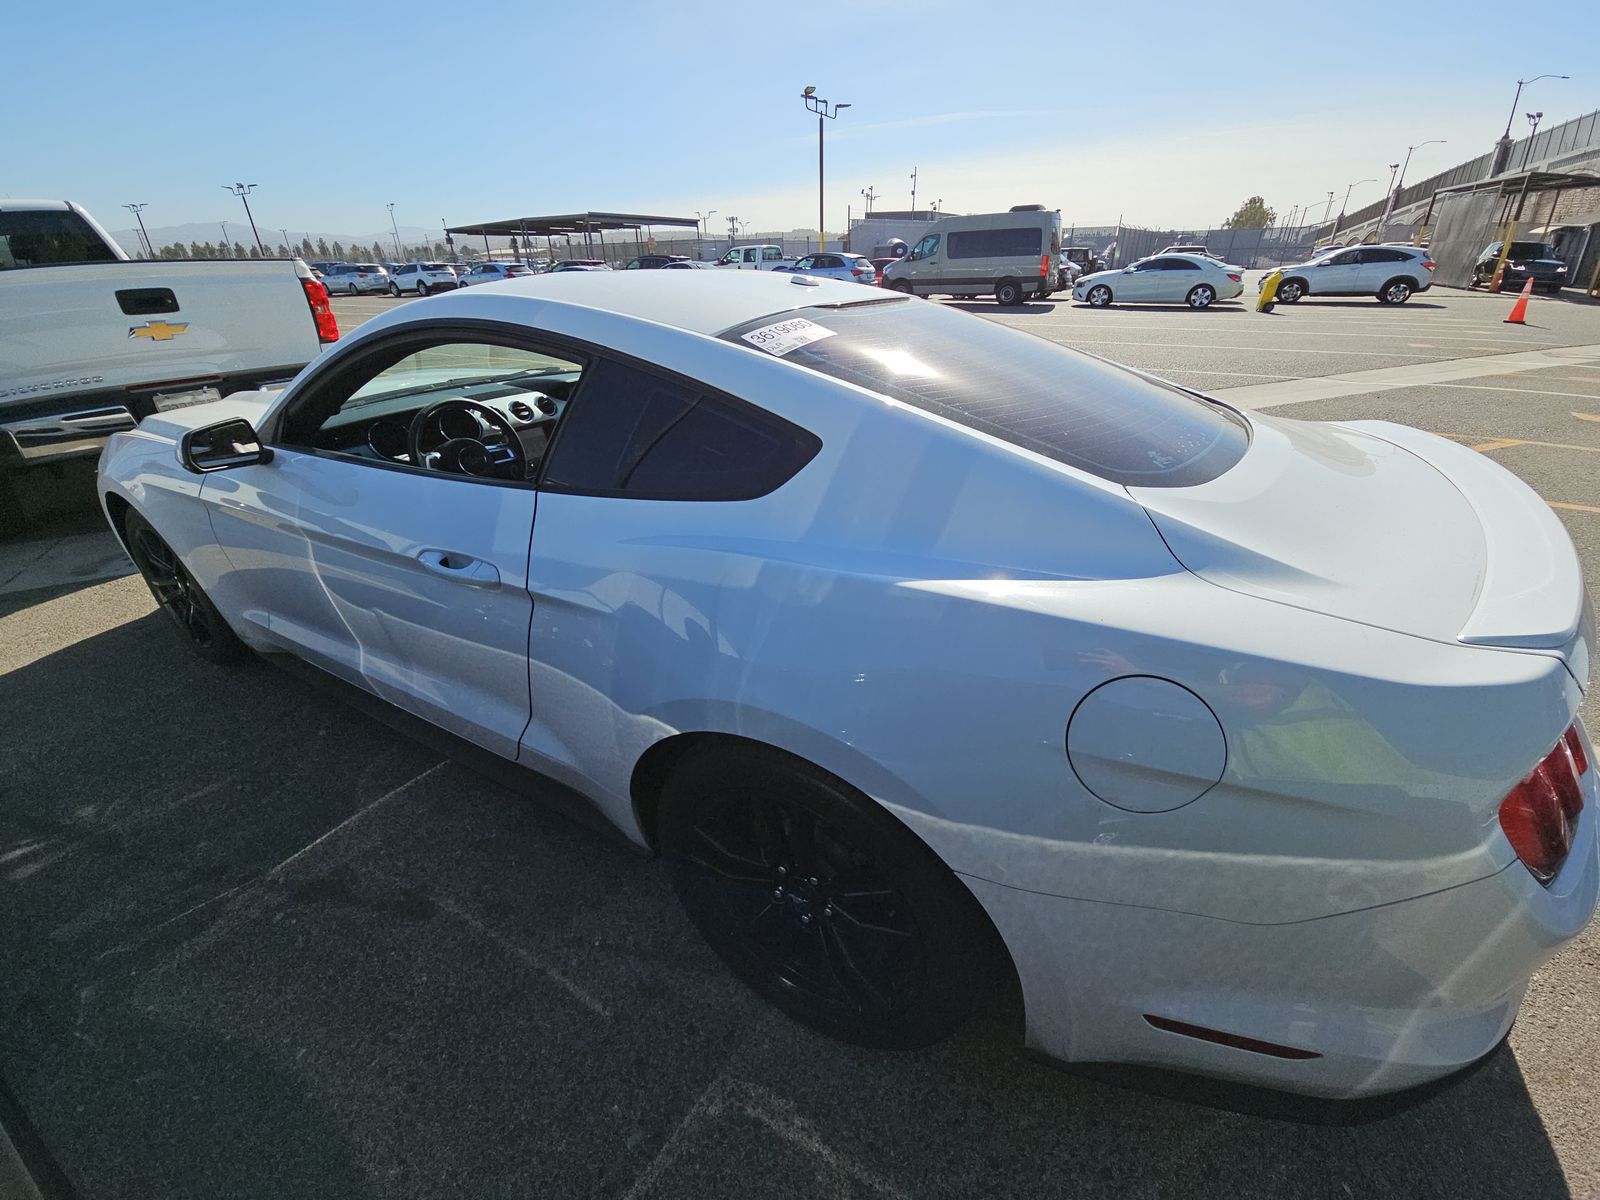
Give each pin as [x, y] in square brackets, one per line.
[34, 205]
[709, 306]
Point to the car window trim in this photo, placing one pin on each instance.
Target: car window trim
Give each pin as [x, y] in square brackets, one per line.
[536, 341]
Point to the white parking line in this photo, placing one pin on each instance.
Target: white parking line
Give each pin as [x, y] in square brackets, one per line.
[1383, 379]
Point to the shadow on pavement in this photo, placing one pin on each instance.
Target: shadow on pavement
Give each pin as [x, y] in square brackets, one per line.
[259, 945]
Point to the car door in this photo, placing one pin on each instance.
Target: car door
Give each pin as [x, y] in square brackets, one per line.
[409, 582]
[625, 575]
[1379, 264]
[1140, 282]
[1171, 283]
[1339, 275]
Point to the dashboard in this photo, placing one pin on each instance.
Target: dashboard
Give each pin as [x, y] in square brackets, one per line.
[380, 427]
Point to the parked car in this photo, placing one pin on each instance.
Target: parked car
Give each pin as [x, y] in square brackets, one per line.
[1085, 259]
[355, 279]
[654, 262]
[581, 264]
[1193, 279]
[1067, 274]
[853, 268]
[1537, 259]
[1191, 249]
[91, 343]
[687, 264]
[323, 268]
[879, 264]
[423, 278]
[1393, 273]
[754, 258]
[1235, 743]
[494, 272]
[1011, 255]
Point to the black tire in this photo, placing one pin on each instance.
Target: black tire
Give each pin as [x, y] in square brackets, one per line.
[351, 291]
[902, 286]
[190, 610]
[820, 901]
[1396, 291]
[1008, 292]
[1553, 289]
[1099, 296]
[394, 290]
[422, 287]
[1201, 295]
[1290, 291]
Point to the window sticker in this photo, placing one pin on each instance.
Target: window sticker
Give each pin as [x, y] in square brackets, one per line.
[785, 336]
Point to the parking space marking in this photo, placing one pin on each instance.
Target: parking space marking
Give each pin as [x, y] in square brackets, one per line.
[1497, 444]
[1501, 442]
[1588, 508]
[1485, 387]
[1587, 416]
[1427, 374]
[766, 1108]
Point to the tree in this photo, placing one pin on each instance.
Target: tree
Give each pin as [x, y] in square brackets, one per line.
[323, 253]
[338, 250]
[377, 252]
[284, 251]
[238, 250]
[1252, 214]
[307, 251]
[255, 251]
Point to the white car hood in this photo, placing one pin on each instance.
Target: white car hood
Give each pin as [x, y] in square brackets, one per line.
[1388, 526]
[177, 422]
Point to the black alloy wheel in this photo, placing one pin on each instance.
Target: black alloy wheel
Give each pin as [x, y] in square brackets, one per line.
[1008, 292]
[820, 901]
[1396, 291]
[188, 608]
[1290, 291]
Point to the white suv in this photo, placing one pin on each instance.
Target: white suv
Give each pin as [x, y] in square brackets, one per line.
[1392, 273]
[494, 272]
[352, 279]
[422, 278]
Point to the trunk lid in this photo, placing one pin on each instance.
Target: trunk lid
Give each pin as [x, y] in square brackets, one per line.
[1383, 525]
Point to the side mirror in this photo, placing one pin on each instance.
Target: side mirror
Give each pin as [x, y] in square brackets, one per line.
[220, 447]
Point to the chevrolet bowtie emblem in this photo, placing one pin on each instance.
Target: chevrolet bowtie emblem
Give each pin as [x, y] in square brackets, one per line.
[159, 331]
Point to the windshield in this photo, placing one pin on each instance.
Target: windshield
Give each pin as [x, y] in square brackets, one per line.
[1036, 394]
[1531, 250]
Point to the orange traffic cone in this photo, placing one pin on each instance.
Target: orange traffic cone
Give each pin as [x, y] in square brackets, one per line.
[1519, 310]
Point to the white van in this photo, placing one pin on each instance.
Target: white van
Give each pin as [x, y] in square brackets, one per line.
[1011, 255]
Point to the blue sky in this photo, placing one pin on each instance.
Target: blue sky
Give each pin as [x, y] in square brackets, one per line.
[1161, 113]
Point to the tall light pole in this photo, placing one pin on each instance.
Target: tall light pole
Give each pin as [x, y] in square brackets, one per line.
[136, 209]
[870, 194]
[913, 190]
[287, 244]
[1345, 207]
[818, 105]
[1502, 148]
[705, 220]
[225, 242]
[1328, 211]
[396, 230]
[1533, 132]
[243, 190]
[1400, 182]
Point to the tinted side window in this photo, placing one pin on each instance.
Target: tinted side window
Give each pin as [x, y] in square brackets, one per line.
[632, 433]
[996, 243]
[1383, 256]
[37, 239]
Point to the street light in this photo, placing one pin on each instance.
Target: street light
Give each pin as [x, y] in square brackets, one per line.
[136, 209]
[243, 190]
[1522, 83]
[705, 221]
[396, 229]
[1400, 182]
[1345, 207]
[1533, 120]
[815, 103]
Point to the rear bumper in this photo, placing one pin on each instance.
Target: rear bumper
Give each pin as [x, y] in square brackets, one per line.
[44, 431]
[1386, 999]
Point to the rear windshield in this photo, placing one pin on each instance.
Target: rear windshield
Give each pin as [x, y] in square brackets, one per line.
[368, 267]
[1033, 393]
[48, 238]
[518, 270]
[1531, 250]
[435, 266]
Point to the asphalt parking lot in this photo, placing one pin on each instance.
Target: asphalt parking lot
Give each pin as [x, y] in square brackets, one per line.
[260, 944]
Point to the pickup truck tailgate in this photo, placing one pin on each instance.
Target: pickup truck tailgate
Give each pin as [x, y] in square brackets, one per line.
[90, 348]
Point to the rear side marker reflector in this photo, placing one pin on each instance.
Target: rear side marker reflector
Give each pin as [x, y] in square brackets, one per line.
[1235, 1040]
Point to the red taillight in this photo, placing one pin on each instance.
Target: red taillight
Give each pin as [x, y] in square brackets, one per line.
[1044, 265]
[1235, 278]
[321, 312]
[857, 272]
[1427, 264]
[1540, 815]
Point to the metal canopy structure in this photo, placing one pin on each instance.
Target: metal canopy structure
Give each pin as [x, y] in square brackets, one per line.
[1518, 182]
[570, 223]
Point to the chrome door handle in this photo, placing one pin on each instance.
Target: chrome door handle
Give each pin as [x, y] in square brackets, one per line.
[460, 568]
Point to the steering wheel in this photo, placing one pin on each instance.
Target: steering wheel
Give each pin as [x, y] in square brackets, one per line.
[463, 450]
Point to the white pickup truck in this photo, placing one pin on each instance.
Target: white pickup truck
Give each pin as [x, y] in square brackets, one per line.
[91, 342]
[753, 258]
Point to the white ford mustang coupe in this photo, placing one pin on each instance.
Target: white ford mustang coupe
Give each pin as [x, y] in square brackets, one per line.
[928, 651]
